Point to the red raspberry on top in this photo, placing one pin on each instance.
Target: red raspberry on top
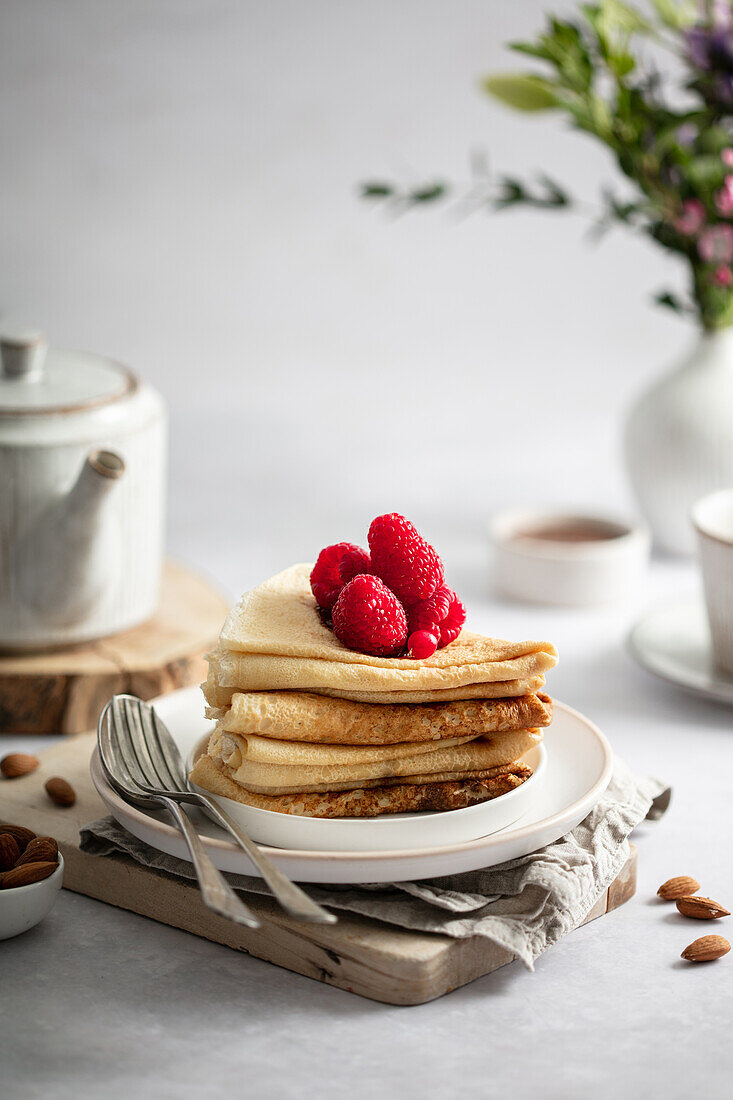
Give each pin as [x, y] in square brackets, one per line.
[403, 559]
[369, 618]
[451, 625]
[429, 614]
[326, 578]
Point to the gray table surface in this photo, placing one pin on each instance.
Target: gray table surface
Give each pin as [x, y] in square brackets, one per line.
[98, 1002]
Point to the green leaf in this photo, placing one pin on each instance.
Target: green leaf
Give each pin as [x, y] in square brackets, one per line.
[523, 92]
[429, 193]
[705, 173]
[617, 16]
[664, 298]
[675, 14]
[554, 195]
[376, 190]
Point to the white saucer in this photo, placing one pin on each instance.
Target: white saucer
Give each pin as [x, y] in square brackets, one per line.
[576, 773]
[673, 642]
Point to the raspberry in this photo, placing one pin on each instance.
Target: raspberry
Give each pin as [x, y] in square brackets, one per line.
[405, 561]
[450, 628]
[429, 613]
[326, 581]
[369, 618]
[354, 561]
[422, 644]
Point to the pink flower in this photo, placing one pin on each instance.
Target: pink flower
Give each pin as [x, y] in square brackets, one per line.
[692, 218]
[716, 244]
[727, 157]
[723, 276]
[724, 198]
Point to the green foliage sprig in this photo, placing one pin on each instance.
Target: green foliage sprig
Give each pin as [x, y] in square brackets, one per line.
[677, 159]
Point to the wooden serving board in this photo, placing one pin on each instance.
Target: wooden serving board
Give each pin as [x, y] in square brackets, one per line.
[358, 954]
[62, 691]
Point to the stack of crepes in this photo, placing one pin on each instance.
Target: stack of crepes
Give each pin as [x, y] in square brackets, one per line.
[306, 726]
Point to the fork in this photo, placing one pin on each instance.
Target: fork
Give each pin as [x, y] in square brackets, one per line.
[158, 770]
[123, 772]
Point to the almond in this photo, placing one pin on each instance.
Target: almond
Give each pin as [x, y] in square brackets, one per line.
[34, 872]
[701, 908]
[681, 887]
[706, 949]
[9, 851]
[60, 792]
[16, 764]
[42, 849]
[22, 835]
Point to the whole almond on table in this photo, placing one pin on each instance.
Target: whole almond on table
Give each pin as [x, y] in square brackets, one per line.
[681, 887]
[26, 875]
[706, 949]
[60, 791]
[701, 908]
[21, 835]
[42, 849]
[16, 764]
[9, 851]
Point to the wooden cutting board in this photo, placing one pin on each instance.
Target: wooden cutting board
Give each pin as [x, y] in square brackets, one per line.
[358, 954]
[63, 691]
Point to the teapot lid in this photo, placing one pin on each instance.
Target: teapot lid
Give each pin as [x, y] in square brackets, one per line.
[36, 380]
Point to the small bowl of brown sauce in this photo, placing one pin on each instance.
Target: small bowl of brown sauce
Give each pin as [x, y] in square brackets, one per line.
[567, 558]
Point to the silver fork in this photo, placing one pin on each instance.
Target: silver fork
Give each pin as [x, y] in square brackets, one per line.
[122, 769]
[161, 773]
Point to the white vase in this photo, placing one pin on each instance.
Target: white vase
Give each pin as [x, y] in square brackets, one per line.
[679, 440]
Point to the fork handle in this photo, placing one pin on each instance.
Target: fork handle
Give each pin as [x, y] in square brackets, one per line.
[293, 900]
[216, 892]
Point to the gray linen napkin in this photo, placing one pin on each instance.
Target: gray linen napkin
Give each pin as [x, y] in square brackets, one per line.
[525, 905]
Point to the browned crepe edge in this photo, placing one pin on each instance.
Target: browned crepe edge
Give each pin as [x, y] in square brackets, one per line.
[398, 723]
[372, 802]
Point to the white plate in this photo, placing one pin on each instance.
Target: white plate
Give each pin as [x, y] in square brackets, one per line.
[576, 773]
[673, 642]
[389, 833]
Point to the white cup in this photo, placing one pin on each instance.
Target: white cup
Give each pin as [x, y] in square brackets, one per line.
[712, 518]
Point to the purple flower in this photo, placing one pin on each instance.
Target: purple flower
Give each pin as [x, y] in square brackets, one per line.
[710, 49]
[716, 244]
[727, 157]
[723, 276]
[692, 219]
[687, 134]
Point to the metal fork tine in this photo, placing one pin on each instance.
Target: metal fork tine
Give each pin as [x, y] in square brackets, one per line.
[166, 776]
[127, 744]
[172, 759]
[121, 742]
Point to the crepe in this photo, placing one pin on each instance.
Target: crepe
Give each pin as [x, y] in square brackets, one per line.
[343, 767]
[300, 716]
[274, 639]
[219, 697]
[371, 802]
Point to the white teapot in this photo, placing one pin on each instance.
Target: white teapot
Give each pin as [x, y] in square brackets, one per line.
[82, 495]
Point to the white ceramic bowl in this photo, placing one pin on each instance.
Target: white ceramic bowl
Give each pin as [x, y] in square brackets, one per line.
[25, 906]
[568, 559]
[389, 833]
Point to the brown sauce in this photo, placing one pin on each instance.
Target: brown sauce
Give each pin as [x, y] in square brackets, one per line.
[572, 530]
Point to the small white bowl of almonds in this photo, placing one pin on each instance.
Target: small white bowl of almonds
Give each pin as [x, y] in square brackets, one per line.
[31, 875]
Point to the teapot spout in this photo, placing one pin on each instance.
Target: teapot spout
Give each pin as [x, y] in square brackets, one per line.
[70, 559]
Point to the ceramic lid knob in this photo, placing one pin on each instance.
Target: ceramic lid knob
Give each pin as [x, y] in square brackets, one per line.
[23, 354]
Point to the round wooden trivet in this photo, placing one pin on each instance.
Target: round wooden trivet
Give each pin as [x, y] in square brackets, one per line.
[63, 691]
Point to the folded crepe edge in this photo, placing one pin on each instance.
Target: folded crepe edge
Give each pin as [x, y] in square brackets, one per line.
[367, 802]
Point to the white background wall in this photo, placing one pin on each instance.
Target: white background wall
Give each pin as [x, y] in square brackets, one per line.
[178, 189]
